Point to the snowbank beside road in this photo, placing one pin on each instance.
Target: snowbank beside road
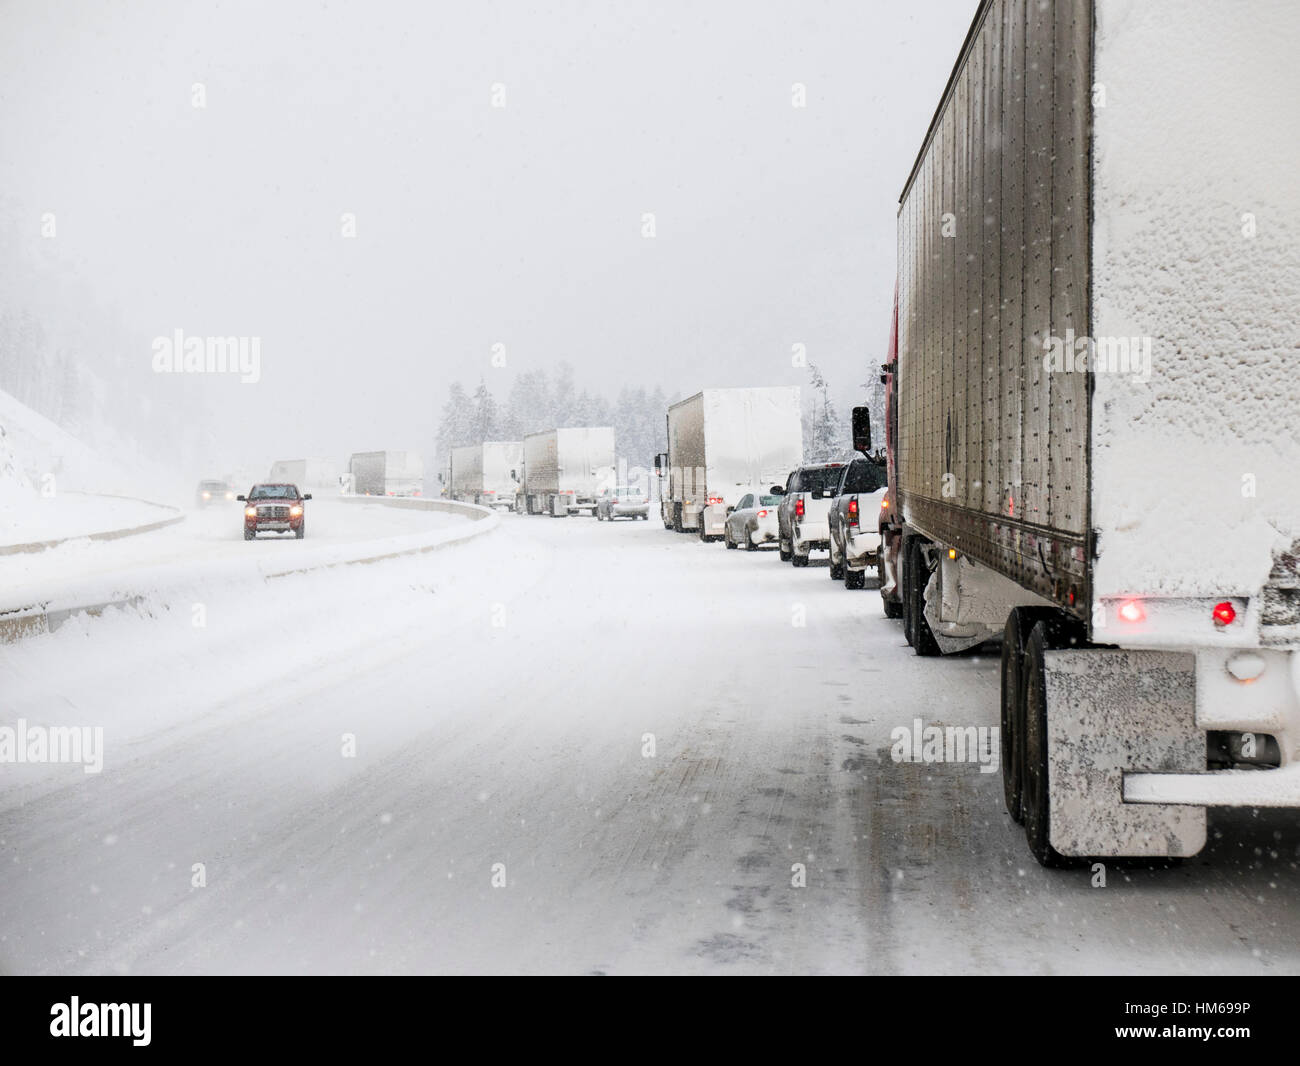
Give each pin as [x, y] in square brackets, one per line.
[30, 521]
[182, 564]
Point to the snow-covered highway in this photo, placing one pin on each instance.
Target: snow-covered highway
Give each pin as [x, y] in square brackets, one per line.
[563, 746]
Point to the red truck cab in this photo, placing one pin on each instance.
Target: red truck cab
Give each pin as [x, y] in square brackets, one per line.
[274, 508]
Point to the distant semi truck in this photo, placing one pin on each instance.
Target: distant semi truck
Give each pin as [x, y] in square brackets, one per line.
[306, 473]
[565, 470]
[387, 473]
[487, 474]
[1092, 411]
[723, 443]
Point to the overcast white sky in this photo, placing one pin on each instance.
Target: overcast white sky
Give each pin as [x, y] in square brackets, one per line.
[475, 225]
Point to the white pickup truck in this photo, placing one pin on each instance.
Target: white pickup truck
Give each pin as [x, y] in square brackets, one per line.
[802, 517]
[854, 525]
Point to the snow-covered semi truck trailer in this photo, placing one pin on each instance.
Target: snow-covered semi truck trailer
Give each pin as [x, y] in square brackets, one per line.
[487, 474]
[306, 473]
[723, 443]
[1093, 409]
[566, 469]
[398, 473]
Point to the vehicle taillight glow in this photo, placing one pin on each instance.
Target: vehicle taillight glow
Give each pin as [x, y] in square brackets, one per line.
[762, 514]
[1224, 614]
[884, 503]
[798, 507]
[1132, 611]
[853, 512]
[715, 501]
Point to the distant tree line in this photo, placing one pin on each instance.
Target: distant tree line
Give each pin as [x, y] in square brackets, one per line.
[539, 400]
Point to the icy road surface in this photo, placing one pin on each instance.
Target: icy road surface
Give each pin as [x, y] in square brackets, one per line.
[502, 811]
[208, 538]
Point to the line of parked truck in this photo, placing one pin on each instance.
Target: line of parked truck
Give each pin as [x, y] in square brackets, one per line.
[734, 472]
[556, 472]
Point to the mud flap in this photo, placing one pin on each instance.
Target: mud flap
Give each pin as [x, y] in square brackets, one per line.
[1114, 711]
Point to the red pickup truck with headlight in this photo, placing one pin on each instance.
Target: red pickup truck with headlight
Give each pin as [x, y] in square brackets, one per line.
[274, 509]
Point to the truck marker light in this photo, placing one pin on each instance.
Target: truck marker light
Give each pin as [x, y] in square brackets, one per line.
[884, 503]
[1132, 611]
[952, 553]
[1224, 614]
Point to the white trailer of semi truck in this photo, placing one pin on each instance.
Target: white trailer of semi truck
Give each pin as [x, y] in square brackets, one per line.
[487, 474]
[387, 473]
[306, 473]
[1094, 413]
[723, 443]
[566, 469]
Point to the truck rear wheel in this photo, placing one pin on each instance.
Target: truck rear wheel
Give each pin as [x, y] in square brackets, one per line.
[677, 518]
[1034, 800]
[838, 570]
[854, 579]
[915, 577]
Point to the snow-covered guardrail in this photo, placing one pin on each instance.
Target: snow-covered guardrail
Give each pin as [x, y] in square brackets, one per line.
[42, 614]
[484, 519]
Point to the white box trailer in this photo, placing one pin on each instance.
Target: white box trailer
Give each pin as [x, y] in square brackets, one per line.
[487, 474]
[723, 443]
[306, 473]
[566, 469]
[399, 473]
[1094, 422]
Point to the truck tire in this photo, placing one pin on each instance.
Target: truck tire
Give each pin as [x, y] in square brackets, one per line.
[249, 536]
[677, 518]
[918, 629]
[854, 579]
[704, 537]
[1034, 801]
[838, 571]
[796, 558]
[781, 549]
